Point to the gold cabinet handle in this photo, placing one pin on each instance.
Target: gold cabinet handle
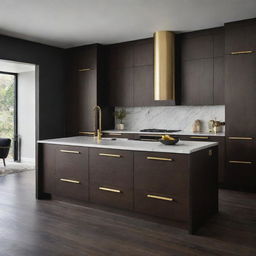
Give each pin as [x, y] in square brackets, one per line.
[70, 181]
[240, 138]
[240, 162]
[115, 134]
[109, 155]
[84, 69]
[69, 151]
[89, 133]
[160, 197]
[159, 158]
[241, 52]
[199, 137]
[110, 189]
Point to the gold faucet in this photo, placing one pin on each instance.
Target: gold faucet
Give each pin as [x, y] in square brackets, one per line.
[98, 132]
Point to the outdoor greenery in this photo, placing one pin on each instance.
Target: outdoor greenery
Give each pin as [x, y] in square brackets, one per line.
[7, 83]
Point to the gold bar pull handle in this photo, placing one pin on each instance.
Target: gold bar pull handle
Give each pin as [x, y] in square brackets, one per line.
[160, 197]
[239, 162]
[240, 138]
[116, 134]
[199, 137]
[110, 189]
[70, 181]
[84, 69]
[109, 155]
[241, 52]
[69, 151]
[159, 158]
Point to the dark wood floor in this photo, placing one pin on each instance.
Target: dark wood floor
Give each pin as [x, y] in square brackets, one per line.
[34, 228]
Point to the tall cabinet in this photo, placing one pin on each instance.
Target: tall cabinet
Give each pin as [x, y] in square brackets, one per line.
[240, 99]
[86, 89]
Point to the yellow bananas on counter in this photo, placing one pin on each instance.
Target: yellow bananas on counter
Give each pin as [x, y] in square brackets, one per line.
[167, 137]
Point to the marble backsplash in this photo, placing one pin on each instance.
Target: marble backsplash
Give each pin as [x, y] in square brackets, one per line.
[173, 117]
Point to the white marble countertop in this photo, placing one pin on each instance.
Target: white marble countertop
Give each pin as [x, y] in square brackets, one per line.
[182, 147]
[220, 134]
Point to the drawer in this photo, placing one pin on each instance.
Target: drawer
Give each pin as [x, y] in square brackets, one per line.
[161, 172]
[111, 177]
[243, 149]
[72, 172]
[170, 206]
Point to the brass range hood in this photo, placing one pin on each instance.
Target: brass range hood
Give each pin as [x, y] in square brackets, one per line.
[164, 65]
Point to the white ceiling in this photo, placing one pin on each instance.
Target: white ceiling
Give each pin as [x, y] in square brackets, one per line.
[15, 67]
[67, 23]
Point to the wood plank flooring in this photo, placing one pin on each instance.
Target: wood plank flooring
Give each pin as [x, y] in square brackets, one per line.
[42, 228]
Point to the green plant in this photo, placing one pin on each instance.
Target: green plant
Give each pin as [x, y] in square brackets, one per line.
[120, 115]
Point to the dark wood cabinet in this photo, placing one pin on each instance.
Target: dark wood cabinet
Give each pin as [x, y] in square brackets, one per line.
[240, 78]
[111, 177]
[197, 82]
[161, 175]
[121, 87]
[85, 89]
[72, 180]
[218, 81]
[196, 47]
[143, 52]
[240, 36]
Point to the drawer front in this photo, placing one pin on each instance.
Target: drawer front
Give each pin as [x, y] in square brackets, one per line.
[72, 172]
[195, 137]
[161, 173]
[241, 149]
[170, 206]
[111, 177]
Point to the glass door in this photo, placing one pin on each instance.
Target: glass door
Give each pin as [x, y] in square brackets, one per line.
[8, 110]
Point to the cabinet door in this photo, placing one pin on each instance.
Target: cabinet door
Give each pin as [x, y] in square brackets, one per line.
[240, 90]
[219, 83]
[240, 36]
[87, 99]
[121, 87]
[72, 172]
[111, 177]
[120, 56]
[197, 47]
[197, 82]
[143, 88]
[144, 53]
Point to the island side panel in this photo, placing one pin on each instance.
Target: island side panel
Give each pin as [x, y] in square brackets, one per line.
[45, 170]
[203, 190]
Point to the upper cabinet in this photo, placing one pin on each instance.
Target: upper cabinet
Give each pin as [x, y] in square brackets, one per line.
[201, 68]
[240, 36]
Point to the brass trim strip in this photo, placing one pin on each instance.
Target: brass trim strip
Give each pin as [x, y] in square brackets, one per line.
[240, 138]
[4, 147]
[159, 158]
[241, 52]
[110, 189]
[70, 181]
[84, 69]
[69, 151]
[116, 134]
[240, 162]
[160, 197]
[89, 133]
[199, 137]
[109, 155]
[151, 135]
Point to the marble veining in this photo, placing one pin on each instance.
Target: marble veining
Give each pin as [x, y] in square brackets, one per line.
[172, 117]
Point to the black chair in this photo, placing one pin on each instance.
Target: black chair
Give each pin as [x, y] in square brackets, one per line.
[4, 148]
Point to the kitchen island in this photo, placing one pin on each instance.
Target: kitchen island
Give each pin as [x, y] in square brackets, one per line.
[177, 183]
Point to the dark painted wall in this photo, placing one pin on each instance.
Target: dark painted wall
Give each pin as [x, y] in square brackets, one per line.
[50, 113]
